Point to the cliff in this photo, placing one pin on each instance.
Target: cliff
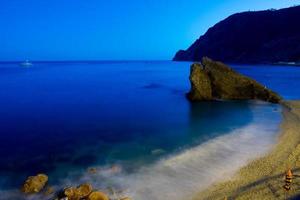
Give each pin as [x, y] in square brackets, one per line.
[214, 80]
[269, 36]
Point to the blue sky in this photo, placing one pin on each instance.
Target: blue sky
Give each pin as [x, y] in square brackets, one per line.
[111, 29]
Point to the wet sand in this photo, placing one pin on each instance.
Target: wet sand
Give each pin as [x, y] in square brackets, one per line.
[264, 177]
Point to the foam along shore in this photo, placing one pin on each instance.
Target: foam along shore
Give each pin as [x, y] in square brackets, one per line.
[179, 175]
[264, 177]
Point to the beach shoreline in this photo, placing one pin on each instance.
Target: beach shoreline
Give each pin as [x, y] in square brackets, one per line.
[263, 178]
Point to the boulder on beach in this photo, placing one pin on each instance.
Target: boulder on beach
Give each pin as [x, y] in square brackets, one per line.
[34, 184]
[71, 193]
[84, 190]
[78, 193]
[212, 80]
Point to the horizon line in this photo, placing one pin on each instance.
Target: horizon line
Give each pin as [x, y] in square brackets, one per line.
[108, 60]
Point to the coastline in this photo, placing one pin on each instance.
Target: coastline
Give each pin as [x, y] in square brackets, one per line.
[264, 178]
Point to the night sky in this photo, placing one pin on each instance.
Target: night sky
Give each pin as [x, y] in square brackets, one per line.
[111, 29]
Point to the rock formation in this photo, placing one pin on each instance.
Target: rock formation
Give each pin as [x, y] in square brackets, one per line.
[78, 193]
[34, 184]
[97, 195]
[83, 192]
[214, 80]
[269, 36]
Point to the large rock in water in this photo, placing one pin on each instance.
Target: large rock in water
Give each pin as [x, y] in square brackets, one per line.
[214, 80]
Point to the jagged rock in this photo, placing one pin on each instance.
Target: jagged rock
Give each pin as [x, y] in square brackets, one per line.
[84, 190]
[78, 193]
[34, 184]
[71, 193]
[200, 83]
[214, 80]
[97, 195]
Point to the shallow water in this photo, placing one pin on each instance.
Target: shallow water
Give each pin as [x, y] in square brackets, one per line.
[61, 118]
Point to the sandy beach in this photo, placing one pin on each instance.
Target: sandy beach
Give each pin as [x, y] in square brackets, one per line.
[264, 177]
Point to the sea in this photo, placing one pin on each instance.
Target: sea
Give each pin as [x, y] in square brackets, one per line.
[127, 127]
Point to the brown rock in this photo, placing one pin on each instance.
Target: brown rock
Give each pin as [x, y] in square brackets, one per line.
[200, 83]
[34, 184]
[84, 190]
[49, 190]
[92, 170]
[97, 195]
[214, 80]
[71, 193]
[80, 192]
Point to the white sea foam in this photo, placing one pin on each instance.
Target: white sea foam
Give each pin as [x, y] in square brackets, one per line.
[179, 176]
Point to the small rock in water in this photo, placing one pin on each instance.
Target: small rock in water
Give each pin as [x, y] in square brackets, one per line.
[34, 184]
[71, 193]
[97, 195]
[157, 151]
[92, 170]
[84, 190]
[80, 192]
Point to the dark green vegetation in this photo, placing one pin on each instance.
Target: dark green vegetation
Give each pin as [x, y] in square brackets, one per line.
[270, 36]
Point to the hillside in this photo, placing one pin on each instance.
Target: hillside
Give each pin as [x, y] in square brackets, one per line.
[250, 37]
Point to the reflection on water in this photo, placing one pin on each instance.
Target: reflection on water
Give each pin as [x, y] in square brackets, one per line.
[218, 117]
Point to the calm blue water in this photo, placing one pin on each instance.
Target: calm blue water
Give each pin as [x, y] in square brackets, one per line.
[283, 79]
[59, 118]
